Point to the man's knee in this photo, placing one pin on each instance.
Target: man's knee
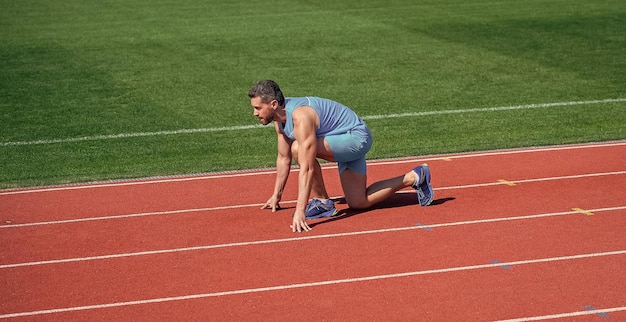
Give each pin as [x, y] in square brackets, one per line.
[358, 203]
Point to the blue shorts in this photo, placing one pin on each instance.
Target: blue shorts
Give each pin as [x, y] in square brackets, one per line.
[349, 149]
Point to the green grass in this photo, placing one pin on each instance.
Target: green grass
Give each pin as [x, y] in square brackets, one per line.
[86, 68]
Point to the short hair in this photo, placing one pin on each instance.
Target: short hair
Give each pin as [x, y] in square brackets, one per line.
[268, 90]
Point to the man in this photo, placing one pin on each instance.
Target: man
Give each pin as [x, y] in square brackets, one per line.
[311, 127]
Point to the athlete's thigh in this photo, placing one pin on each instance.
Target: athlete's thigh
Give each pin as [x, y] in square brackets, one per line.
[323, 150]
[350, 146]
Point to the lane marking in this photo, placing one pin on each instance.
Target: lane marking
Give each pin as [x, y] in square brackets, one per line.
[109, 184]
[582, 211]
[258, 126]
[294, 239]
[577, 176]
[567, 315]
[599, 313]
[192, 210]
[503, 266]
[508, 183]
[142, 214]
[506, 152]
[316, 284]
[246, 173]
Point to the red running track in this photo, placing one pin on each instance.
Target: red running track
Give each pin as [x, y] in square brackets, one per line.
[523, 234]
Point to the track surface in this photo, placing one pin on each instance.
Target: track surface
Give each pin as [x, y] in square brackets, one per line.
[524, 234]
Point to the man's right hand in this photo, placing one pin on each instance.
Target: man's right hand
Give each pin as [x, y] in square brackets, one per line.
[272, 203]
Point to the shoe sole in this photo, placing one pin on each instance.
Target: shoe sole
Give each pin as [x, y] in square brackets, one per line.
[328, 213]
[428, 186]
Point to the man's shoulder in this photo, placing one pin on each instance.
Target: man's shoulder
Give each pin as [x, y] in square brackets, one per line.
[295, 102]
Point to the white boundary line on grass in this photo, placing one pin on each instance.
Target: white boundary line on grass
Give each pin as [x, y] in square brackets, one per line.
[247, 173]
[258, 205]
[256, 126]
[316, 284]
[292, 239]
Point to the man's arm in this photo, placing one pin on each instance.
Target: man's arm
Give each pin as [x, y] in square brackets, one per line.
[283, 167]
[305, 123]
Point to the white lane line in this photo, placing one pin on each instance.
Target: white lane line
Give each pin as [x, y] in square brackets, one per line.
[286, 240]
[192, 210]
[567, 315]
[500, 183]
[314, 284]
[142, 214]
[248, 173]
[131, 182]
[501, 152]
[256, 126]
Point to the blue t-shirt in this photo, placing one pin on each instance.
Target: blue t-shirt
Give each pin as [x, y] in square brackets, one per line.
[335, 118]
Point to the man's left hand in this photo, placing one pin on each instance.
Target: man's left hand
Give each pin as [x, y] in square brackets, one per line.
[299, 223]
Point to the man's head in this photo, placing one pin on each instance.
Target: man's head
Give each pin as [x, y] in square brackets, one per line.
[267, 90]
[265, 98]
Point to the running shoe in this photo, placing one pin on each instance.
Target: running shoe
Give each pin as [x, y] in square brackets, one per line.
[318, 209]
[425, 192]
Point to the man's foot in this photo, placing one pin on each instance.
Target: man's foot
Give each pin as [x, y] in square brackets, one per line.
[425, 192]
[318, 209]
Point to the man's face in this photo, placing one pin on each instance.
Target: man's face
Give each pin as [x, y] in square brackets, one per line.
[264, 111]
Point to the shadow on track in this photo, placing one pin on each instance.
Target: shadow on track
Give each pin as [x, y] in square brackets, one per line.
[398, 200]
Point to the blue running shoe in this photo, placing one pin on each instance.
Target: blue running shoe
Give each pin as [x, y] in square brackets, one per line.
[318, 209]
[425, 192]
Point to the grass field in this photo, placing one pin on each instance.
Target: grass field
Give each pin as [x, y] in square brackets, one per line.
[98, 90]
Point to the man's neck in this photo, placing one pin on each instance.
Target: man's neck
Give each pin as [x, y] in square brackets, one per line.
[281, 115]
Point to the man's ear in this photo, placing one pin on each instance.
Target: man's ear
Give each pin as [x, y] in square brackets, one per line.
[274, 104]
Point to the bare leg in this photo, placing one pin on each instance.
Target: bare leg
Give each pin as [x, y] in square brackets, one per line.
[359, 197]
[318, 189]
[353, 183]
